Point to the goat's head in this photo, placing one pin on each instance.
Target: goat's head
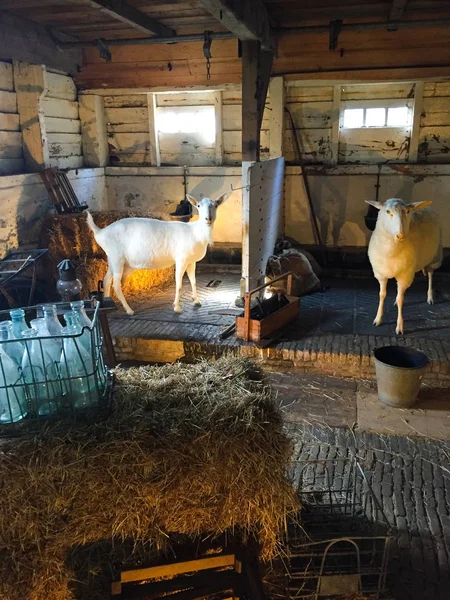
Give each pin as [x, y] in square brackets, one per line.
[395, 216]
[207, 208]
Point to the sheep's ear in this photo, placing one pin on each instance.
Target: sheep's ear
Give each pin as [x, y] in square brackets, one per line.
[418, 205]
[375, 204]
[221, 199]
[192, 200]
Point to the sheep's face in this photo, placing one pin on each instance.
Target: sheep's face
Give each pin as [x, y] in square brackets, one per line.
[207, 208]
[395, 216]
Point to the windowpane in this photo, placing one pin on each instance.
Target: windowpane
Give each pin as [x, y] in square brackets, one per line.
[397, 117]
[353, 117]
[375, 117]
[200, 120]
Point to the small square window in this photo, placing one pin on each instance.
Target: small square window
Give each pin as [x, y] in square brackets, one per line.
[353, 117]
[398, 117]
[375, 117]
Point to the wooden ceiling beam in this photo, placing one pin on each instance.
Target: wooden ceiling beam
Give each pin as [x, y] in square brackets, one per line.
[131, 16]
[247, 19]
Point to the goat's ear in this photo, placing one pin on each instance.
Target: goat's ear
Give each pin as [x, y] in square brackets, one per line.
[375, 204]
[418, 205]
[221, 199]
[192, 200]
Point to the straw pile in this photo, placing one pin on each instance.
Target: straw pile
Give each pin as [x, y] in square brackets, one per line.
[68, 236]
[190, 450]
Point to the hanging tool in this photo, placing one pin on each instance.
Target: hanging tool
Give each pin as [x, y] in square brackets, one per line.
[207, 40]
[314, 219]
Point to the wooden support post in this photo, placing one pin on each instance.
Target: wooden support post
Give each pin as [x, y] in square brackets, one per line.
[219, 128]
[155, 157]
[276, 92]
[31, 87]
[336, 121]
[93, 131]
[256, 68]
[413, 153]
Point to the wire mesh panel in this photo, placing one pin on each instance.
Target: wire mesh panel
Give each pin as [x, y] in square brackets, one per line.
[338, 545]
[44, 377]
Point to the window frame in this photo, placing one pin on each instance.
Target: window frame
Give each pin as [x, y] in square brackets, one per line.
[377, 103]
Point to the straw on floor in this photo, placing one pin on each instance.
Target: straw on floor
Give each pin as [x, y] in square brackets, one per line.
[195, 450]
[68, 236]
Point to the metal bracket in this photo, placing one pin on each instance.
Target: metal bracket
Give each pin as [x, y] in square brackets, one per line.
[103, 49]
[335, 30]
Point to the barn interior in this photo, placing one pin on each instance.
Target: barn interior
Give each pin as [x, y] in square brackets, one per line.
[299, 112]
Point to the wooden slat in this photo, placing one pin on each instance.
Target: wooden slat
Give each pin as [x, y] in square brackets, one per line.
[11, 166]
[11, 144]
[124, 101]
[129, 143]
[64, 138]
[185, 99]
[59, 149]
[311, 115]
[9, 122]
[315, 144]
[295, 93]
[373, 145]
[63, 109]
[57, 125]
[8, 102]
[435, 112]
[123, 116]
[441, 88]
[213, 562]
[67, 162]
[232, 118]
[371, 92]
[61, 86]
[434, 144]
[6, 77]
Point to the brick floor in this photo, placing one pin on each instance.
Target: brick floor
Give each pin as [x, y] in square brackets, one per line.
[412, 480]
[333, 334]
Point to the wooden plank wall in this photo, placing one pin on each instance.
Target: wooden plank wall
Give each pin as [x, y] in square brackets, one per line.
[11, 152]
[128, 130]
[434, 136]
[62, 122]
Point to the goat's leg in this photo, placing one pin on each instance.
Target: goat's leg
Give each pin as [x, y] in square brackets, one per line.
[125, 274]
[383, 285]
[190, 270]
[117, 276]
[107, 282]
[430, 295]
[402, 286]
[180, 270]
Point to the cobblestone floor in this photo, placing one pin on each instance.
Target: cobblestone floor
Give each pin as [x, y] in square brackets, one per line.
[412, 480]
[346, 307]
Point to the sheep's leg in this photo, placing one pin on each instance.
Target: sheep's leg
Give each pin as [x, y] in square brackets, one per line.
[117, 276]
[430, 296]
[107, 282]
[180, 270]
[190, 270]
[383, 285]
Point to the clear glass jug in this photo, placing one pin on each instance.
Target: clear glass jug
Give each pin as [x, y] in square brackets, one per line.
[14, 349]
[78, 308]
[18, 323]
[76, 365]
[41, 374]
[13, 405]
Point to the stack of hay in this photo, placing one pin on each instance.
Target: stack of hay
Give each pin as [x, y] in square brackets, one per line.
[68, 236]
[190, 450]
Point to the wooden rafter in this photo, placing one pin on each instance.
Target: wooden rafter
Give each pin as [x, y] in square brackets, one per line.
[247, 19]
[118, 9]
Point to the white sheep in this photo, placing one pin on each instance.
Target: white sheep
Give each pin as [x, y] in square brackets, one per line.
[138, 243]
[406, 240]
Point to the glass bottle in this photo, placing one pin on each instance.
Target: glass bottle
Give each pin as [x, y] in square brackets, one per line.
[13, 405]
[78, 308]
[52, 346]
[13, 349]
[51, 320]
[76, 365]
[18, 323]
[40, 373]
[68, 286]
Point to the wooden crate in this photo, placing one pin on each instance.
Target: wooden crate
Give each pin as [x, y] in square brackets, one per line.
[257, 331]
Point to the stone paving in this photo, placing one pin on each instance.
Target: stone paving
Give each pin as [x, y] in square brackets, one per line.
[333, 334]
[412, 480]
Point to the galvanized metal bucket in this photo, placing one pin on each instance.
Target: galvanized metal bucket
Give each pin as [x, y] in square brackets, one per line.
[399, 371]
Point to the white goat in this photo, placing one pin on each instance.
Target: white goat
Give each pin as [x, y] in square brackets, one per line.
[139, 243]
[405, 240]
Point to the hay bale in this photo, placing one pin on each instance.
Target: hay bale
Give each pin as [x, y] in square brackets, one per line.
[192, 450]
[68, 236]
